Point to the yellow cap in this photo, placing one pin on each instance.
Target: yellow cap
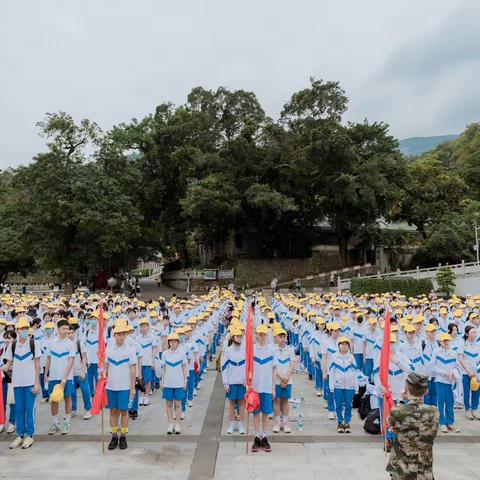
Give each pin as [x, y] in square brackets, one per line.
[409, 329]
[57, 394]
[320, 321]
[153, 314]
[144, 321]
[372, 321]
[236, 331]
[280, 331]
[431, 327]
[393, 338]
[445, 336]
[418, 319]
[173, 336]
[22, 323]
[458, 313]
[474, 385]
[49, 325]
[333, 326]
[262, 329]
[121, 328]
[344, 339]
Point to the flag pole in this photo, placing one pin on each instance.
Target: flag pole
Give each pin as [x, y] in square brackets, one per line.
[103, 432]
[248, 432]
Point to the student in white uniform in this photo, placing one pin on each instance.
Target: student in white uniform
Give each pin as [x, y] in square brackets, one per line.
[120, 369]
[8, 338]
[430, 346]
[59, 370]
[264, 383]
[469, 357]
[23, 357]
[174, 379]
[148, 344]
[284, 363]
[234, 379]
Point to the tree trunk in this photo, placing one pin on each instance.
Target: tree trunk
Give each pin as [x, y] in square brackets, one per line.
[69, 282]
[343, 247]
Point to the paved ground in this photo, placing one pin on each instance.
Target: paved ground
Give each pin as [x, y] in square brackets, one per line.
[206, 451]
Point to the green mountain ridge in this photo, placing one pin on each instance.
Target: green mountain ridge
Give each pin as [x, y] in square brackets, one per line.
[418, 145]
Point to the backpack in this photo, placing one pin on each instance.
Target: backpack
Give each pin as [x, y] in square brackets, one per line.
[372, 422]
[32, 347]
[357, 398]
[365, 407]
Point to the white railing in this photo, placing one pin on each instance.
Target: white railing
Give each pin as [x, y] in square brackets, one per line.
[198, 274]
[464, 268]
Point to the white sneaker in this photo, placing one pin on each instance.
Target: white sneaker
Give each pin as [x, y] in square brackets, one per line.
[195, 393]
[182, 416]
[170, 429]
[469, 415]
[174, 415]
[10, 428]
[146, 401]
[177, 429]
[74, 413]
[141, 400]
[241, 428]
[16, 443]
[2, 428]
[66, 428]
[231, 428]
[87, 415]
[475, 414]
[319, 393]
[444, 429]
[27, 442]
[190, 403]
[151, 393]
[276, 428]
[287, 429]
[331, 416]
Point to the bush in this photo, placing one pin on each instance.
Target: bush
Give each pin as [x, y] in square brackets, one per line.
[409, 287]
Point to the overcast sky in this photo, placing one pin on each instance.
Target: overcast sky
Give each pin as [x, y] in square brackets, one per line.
[413, 64]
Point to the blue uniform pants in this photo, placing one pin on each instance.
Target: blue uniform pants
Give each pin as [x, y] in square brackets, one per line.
[42, 384]
[328, 395]
[343, 404]
[318, 376]
[359, 360]
[24, 411]
[85, 389]
[368, 368]
[430, 397]
[11, 414]
[190, 385]
[445, 403]
[92, 375]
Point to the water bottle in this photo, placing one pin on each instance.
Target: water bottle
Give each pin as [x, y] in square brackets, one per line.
[300, 421]
[130, 404]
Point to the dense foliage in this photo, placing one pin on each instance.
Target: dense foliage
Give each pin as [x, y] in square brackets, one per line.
[195, 174]
[409, 287]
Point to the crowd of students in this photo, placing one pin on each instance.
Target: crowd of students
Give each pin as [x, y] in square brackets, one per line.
[49, 348]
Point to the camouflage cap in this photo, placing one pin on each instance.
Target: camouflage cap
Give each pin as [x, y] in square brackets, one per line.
[417, 380]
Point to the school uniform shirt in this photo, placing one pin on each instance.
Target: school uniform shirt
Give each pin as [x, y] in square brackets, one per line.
[264, 363]
[191, 350]
[80, 350]
[60, 352]
[23, 367]
[91, 342]
[147, 343]
[428, 353]
[330, 347]
[370, 341]
[44, 343]
[358, 334]
[457, 344]
[284, 358]
[315, 349]
[471, 356]
[397, 374]
[120, 359]
[173, 361]
[343, 372]
[199, 336]
[233, 365]
[444, 362]
[164, 331]
[413, 351]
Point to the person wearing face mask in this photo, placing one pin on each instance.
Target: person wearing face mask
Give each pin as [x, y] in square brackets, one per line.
[44, 344]
[23, 358]
[7, 380]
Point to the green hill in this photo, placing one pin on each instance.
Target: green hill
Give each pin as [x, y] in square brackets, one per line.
[417, 145]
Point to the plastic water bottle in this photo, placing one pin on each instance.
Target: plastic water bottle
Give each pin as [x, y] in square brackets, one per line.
[300, 421]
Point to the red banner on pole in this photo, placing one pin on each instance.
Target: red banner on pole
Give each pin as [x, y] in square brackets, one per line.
[100, 399]
[388, 402]
[252, 399]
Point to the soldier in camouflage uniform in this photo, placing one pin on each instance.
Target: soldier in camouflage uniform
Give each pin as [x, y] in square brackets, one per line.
[415, 426]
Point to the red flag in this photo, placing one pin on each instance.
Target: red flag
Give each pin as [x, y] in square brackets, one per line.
[388, 402]
[100, 399]
[2, 401]
[252, 399]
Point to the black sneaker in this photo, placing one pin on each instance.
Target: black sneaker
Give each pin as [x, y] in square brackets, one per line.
[257, 445]
[340, 428]
[113, 442]
[134, 415]
[123, 442]
[310, 377]
[346, 428]
[265, 445]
